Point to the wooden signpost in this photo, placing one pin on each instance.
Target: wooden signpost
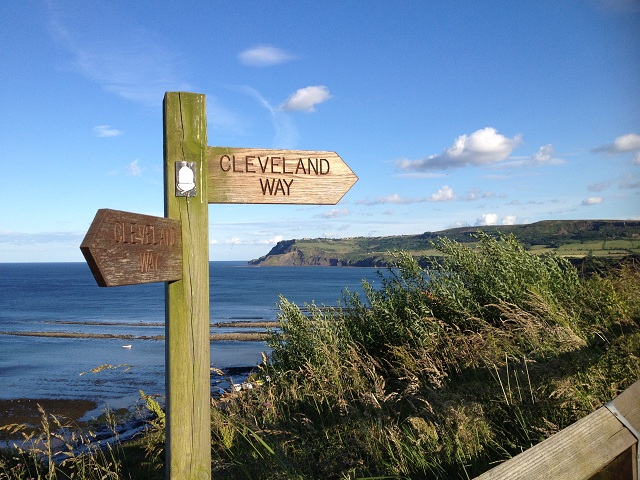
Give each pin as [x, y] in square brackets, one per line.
[125, 248]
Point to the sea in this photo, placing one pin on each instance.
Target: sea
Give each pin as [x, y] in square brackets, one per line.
[64, 297]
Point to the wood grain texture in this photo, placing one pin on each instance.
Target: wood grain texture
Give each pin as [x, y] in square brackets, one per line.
[266, 176]
[124, 248]
[580, 451]
[188, 454]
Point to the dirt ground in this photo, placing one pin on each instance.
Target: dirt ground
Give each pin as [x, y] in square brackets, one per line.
[25, 411]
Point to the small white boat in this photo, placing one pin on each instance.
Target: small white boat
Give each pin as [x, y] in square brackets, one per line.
[126, 346]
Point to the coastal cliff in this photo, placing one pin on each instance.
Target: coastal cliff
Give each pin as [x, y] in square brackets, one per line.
[570, 238]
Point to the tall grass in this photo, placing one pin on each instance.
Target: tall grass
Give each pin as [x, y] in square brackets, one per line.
[440, 373]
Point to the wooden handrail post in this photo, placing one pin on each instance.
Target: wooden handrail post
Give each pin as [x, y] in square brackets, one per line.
[187, 351]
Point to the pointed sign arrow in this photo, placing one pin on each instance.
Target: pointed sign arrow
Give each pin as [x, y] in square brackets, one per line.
[250, 175]
[124, 248]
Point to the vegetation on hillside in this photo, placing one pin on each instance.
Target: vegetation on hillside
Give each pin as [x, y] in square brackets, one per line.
[568, 238]
[439, 373]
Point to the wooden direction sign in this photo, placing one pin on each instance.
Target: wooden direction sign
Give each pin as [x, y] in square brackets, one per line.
[249, 175]
[125, 248]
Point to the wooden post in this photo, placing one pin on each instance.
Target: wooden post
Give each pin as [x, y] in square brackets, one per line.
[187, 357]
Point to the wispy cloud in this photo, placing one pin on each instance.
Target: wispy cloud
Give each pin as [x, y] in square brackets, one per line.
[543, 157]
[592, 201]
[264, 56]
[133, 65]
[334, 213]
[393, 199]
[235, 240]
[482, 147]
[133, 169]
[600, 186]
[306, 99]
[443, 194]
[106, 131]
[286, 134]
[21, 238]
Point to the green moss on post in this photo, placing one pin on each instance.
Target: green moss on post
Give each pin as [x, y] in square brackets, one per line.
[188, 450]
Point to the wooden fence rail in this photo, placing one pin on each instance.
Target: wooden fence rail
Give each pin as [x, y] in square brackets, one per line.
[600, 446]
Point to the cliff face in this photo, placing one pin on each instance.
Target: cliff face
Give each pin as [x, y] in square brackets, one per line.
[287, 254]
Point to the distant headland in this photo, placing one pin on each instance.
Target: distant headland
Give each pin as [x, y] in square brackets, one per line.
[574, 239]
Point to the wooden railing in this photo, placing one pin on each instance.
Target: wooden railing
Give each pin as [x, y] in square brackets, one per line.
[600, 446]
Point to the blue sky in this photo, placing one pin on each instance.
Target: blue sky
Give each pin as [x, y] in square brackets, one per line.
[451, 113]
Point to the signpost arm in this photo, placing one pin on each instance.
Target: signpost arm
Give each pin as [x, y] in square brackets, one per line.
[187, 357]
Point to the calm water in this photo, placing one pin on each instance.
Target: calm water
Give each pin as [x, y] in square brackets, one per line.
[63, 297]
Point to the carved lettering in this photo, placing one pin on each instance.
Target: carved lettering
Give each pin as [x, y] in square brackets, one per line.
[275, 186]
[303, 166]
[284, 167]
[249, 163]
[118, 232]
[323, 162]
[225, 162]
[148, 262]
[133, 233]
[300, 166]
[275, 161]
[149, 235]
[263, 167]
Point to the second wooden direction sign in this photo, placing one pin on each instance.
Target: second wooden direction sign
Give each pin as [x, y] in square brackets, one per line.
[124, 248]
[250, 175]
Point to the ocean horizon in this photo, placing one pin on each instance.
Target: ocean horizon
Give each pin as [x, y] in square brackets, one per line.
[61, 298]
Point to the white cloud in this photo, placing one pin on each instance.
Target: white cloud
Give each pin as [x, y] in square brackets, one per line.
[264, 56]
[106, 131]
[629, 142]
[394, 198]
[271, 241]
[306, 99]
[545, 156]
[445, 194]
[592, 201]
[487, 219]
[483, 147]
[509, 220]
[133, 169]
[334, 213]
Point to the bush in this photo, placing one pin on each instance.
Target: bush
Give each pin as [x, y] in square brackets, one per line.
[442, 371]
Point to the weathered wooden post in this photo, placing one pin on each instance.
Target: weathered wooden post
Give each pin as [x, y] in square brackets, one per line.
[187, 356]
[124, 248]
